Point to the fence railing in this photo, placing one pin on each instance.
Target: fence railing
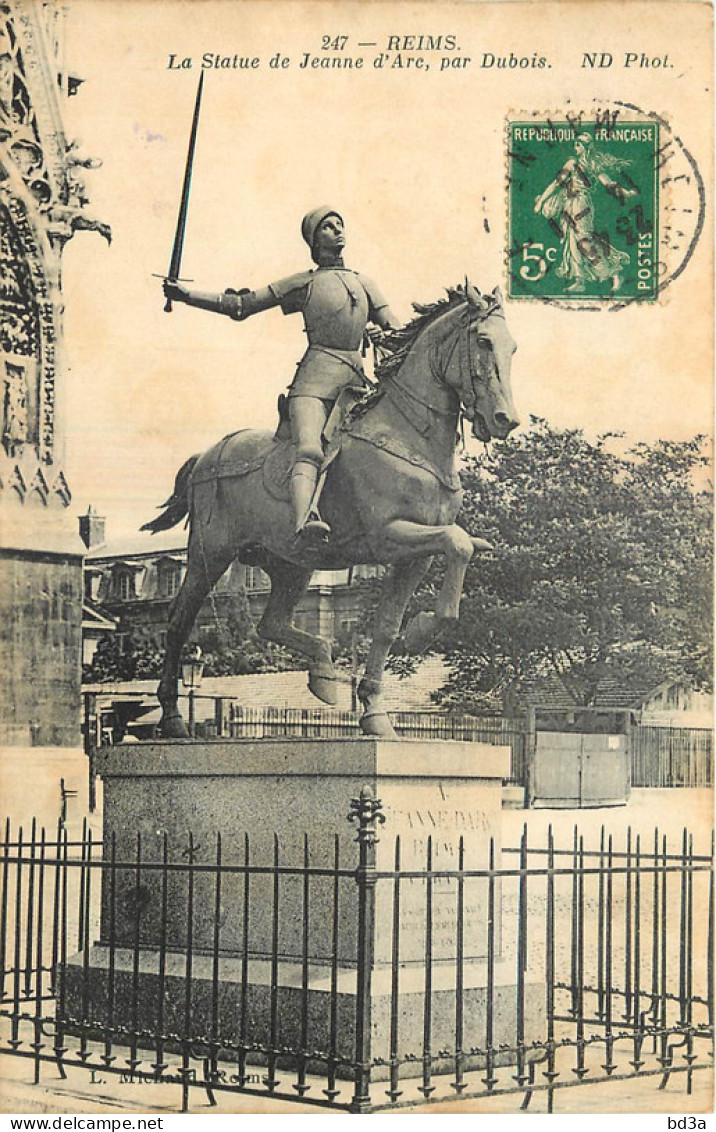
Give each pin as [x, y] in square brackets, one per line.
[660, 756]
[671, 756]
[400, 973]
[264, 723]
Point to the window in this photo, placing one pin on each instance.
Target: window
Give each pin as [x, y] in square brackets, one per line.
[256, 579]
[169, 578]
[124, 585]
[93, 579]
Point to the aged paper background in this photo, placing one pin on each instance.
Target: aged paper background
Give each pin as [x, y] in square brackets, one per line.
[414, 160]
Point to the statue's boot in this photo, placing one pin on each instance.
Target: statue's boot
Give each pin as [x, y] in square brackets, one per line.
[309, 525]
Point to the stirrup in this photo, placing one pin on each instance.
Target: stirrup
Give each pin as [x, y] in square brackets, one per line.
[314, 529]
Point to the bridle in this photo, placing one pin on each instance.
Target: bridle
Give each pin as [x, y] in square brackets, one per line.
[439, 367]
[462, 341]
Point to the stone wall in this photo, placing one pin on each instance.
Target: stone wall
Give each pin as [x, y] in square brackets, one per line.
[40, 642]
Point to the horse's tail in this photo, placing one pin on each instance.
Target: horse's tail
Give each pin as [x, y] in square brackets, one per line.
[177, 505]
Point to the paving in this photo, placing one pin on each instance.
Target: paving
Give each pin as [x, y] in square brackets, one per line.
[86, 1094]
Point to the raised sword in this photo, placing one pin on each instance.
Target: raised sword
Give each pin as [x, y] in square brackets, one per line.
[175, 262]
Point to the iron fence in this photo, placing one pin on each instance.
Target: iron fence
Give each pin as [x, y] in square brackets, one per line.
[659, 756]
[402, 972]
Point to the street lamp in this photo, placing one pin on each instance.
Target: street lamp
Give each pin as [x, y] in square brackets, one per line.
[192, 671]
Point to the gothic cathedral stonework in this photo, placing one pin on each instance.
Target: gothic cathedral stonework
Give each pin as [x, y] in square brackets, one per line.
[42, 200]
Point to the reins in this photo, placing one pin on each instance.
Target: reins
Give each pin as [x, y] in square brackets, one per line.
[393, 383]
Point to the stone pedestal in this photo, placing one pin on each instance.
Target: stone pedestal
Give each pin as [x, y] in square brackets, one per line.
[281, 804]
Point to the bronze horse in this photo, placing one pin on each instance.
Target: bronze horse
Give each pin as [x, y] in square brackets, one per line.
[392, 497]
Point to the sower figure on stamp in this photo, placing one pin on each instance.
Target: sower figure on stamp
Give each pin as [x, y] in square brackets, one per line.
[568, 201]
[340, 307]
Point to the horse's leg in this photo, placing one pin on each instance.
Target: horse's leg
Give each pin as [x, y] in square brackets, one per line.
[458, 547]
[288, 585]
[397, 589]
[205, 565]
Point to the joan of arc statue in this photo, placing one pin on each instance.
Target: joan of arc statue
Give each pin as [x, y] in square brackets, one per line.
[339, 307]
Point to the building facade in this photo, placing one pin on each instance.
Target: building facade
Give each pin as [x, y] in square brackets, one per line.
[42, 202]
[132, 583]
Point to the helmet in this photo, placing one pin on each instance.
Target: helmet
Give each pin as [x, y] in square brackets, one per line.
[313, 219]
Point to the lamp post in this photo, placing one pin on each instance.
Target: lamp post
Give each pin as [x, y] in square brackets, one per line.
[192, 671]
[354, 669]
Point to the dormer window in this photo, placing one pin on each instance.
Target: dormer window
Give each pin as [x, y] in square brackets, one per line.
[124, 588]
[170, 576]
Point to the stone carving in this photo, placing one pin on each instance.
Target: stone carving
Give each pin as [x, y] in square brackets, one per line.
[14, 416]
[60, 490]
[19, 325]
[42, 202]
[17, 484]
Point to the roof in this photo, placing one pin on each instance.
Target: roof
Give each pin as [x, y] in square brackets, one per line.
[290, 689]
[93, 618]
[166, 542]
[613, 692]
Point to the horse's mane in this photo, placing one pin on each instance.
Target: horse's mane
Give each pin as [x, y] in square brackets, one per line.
[397, 343]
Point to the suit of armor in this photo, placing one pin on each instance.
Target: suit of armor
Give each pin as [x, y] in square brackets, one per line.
[337, 305]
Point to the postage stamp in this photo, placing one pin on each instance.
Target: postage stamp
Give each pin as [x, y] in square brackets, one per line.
[583, 210]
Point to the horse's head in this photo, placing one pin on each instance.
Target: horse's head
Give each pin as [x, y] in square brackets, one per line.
[477, 362]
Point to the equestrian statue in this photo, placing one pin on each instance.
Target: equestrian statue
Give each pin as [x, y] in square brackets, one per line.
[353, 474]
[340, 309]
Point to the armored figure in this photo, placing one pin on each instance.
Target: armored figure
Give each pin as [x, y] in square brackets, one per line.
[339, 307]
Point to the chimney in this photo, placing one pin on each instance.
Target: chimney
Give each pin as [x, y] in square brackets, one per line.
[92, 528]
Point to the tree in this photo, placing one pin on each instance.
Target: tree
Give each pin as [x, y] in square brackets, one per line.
[133, 655]
[602, 566]
[230, 646]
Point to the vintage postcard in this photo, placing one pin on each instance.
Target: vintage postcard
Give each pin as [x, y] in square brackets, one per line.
[357, 368]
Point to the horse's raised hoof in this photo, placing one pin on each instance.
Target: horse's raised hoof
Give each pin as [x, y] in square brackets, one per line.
[324, 686]
[173, 727]
[378, 725]
[419, 632]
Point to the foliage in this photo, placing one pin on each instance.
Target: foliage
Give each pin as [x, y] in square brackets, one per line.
[229, 646]
[601, 567]
[132, 655]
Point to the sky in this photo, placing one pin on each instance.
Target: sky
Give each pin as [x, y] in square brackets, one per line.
[414, 161]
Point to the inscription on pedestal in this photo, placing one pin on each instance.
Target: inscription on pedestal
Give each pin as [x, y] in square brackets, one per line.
[435, 838]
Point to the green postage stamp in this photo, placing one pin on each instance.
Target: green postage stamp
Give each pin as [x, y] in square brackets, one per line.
[583, 210]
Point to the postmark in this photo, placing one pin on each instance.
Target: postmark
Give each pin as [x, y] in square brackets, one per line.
[604, 208]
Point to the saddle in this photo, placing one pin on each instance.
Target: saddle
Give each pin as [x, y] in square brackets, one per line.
[280, 458]
[275, 455]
